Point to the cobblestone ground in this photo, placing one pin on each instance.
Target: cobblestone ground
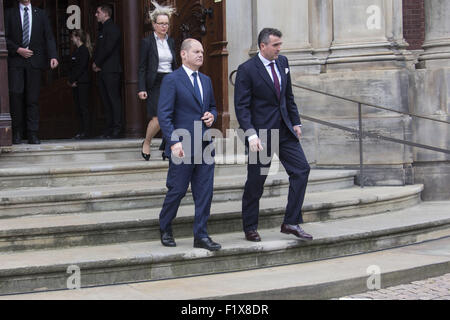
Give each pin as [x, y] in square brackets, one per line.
[430, 289]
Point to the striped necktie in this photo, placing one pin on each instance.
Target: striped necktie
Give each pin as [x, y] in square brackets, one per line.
[26, 28]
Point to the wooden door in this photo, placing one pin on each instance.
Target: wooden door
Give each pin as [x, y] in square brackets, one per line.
[58, 118]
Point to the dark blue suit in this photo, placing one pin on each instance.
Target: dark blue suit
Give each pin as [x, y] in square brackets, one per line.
[179, 108]
[258, 107]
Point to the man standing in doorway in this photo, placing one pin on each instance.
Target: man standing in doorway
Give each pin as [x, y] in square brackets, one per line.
[264, 101]
[107, 64]
[29, 37]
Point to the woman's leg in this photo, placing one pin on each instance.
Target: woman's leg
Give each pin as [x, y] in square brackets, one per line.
[152, 129]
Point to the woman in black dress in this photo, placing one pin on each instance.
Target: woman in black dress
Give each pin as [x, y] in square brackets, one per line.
[157, 59]
[79, 80]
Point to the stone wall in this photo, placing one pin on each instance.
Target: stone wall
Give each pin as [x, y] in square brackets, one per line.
[357, 49]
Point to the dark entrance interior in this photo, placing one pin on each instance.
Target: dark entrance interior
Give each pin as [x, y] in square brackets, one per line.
[200, 19]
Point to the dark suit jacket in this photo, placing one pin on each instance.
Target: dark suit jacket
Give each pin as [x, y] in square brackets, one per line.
[256, 102]
[42, 41]
[107, 49]
[178, 107]
[149, 62]
[79, 71]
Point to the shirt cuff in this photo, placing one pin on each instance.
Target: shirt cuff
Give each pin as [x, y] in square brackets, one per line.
[253, 137]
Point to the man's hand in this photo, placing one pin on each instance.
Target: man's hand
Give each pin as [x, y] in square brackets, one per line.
[54, 64]
[95, 68]
[143, 95]
[255, 145]
[298, 131]
[26, 53]
[208, 119]
[177, 150]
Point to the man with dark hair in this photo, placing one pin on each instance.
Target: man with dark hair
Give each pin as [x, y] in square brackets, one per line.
[31, 49]
[264, 101]
[107, 63]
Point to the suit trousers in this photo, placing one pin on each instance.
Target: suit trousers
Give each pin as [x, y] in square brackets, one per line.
[201, 177]
[25, 88]
[81, 99]
[294, 161]
[110, 92]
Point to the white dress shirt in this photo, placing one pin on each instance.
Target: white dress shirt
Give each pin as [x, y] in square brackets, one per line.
[269, 68]
[30, 14]
[189, 73]
[165, 55]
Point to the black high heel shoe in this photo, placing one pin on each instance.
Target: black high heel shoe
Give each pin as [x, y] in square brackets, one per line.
[144, 155]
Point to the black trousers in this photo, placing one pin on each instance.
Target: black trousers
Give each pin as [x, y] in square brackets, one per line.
[24, 88]
[110, 92]
[81, 99]
[294, 161]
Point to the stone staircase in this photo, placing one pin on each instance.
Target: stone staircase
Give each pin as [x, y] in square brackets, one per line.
[95, 205]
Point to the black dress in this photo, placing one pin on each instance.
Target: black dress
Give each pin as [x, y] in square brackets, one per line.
[79, 73]
[149, 78]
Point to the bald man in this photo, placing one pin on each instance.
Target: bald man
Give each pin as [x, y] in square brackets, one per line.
[186, 103]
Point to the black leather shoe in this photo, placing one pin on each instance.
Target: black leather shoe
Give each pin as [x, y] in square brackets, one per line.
[17, 138]
[144, 155]
[296, 231]
[207, 243]
[253, 236]
[167, 239]
[33, 138]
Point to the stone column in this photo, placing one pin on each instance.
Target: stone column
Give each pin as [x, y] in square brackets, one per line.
[297, 45]
[5, 117]
[321, 28]
[437, 36]
[367, 32]
[433, 99]
[134, 113]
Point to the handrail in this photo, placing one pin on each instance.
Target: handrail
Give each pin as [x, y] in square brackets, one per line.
[367, 104]
[360, 132]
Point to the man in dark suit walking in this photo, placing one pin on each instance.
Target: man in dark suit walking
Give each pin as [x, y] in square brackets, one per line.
[31, 45]
[186, 103]
[264, 101]
[107, 64]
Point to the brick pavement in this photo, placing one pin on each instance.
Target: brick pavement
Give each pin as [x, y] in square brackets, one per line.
[430, 289]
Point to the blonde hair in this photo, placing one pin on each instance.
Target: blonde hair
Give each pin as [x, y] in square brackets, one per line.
[161, 11]
[85, 38]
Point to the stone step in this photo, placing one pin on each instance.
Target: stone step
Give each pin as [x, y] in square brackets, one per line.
[97, 173]
[45, 270]
[318, 280]
[93, 151]
[81, 229]
[146, 194]
[64, 151]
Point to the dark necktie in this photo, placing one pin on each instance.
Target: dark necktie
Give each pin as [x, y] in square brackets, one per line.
[197, 88]
[276, 80]
[26, 28]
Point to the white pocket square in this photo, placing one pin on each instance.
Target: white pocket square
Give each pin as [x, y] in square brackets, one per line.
[287, 70]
